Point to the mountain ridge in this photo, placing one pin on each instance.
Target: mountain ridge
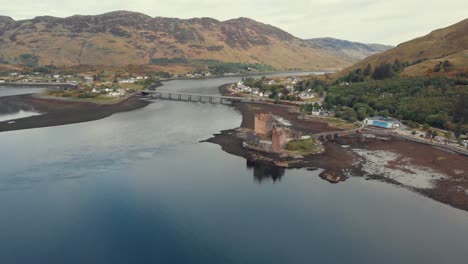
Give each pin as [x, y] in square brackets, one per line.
[349, 49]
[423, 54]
[122, 38]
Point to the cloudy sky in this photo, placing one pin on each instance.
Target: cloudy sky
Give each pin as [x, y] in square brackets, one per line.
[369, 21]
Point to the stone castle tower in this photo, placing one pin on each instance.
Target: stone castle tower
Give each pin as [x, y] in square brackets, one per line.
[279, 138]
[263, 123]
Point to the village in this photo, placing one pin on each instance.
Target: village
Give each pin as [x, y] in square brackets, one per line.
[276, 87]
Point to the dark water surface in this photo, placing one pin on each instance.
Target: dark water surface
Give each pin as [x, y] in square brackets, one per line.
[138, 188]
[8, 91]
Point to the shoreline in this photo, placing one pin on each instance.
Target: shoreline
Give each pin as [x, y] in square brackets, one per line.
[425, 169]
[271, 73]
[61, 112]
[343, 158]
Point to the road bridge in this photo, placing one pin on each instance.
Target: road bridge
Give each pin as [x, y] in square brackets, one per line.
[335, 134]
[192, 97]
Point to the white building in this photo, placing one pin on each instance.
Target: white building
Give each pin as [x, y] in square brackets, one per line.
[130, 80]
[465, 143]
[306, 95]
[382, 122]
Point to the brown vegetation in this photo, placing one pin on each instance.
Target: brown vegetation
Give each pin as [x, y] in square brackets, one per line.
[127, 38]
[450, 43]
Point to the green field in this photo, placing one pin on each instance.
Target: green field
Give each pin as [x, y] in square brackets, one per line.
[307, 146]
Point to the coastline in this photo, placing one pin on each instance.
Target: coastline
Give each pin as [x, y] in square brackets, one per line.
[269, 73]
[60, 112]
[351, 156]
[433, 172]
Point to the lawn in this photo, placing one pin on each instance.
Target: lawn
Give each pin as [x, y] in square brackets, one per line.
[306, 146]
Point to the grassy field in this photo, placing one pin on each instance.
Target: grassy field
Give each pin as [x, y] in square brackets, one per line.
[340, 123]
[307, 146]
[101, 99]
[136, 87]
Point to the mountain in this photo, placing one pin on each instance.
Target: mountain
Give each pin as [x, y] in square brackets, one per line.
[352, 51]
[127, 38]
[422, 56]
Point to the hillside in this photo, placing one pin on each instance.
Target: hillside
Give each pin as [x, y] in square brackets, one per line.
[127, 38]
[351, 51]
[423, 54]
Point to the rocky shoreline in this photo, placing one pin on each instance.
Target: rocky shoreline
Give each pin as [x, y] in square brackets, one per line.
[432, 172]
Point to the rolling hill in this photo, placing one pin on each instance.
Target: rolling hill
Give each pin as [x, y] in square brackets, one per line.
[351, 51]
[127, 38]
[422, 56]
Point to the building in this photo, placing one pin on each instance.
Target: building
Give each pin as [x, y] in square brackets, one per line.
[382, 122]
[263, 123]
[279, 138]
[306, 95]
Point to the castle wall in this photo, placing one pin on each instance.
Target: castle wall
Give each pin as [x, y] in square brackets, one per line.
[263, 123]
[279, 139]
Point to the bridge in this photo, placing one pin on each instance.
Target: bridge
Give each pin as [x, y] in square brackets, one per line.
[335, 134]
[190, 97]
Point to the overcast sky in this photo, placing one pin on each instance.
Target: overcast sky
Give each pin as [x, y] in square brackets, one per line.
[369, 21]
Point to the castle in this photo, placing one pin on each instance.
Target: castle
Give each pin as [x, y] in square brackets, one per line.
[280, 138]
[264, 123]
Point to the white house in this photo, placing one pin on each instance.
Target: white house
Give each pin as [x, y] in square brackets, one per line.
[306, 95]
[130, 80]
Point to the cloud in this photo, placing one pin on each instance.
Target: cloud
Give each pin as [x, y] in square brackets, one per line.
[370, 21]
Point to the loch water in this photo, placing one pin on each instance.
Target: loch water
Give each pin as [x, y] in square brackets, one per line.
[139, 187]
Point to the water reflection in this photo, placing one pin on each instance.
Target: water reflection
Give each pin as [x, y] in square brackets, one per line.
[264, 172]
[9, 91]
[14, 110]
[137, 187]
[17, 115]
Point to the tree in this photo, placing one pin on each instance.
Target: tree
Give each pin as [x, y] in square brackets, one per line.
[447, 66]
[316, 106]
[397, 66]
[383, 71]
[448, 136]
[461, 109]
[458, 130]
[349, 114]
[368, 70]
[384, 113]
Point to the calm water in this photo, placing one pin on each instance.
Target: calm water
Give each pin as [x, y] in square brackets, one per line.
[7, 91]
[138, 187]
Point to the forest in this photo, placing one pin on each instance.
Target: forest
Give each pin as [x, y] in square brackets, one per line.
[439, 102]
